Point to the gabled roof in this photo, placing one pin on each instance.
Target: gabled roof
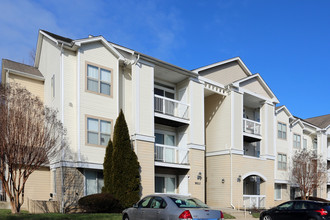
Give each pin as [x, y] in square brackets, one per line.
[298, 121]
[58, 37]
[261, 81]
[21, 69]
[235, 59]
[285, 109]
[320, 121]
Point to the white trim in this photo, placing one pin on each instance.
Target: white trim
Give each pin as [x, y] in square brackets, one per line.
[286, 110]
[141, 137]
[254, 173]
[88, 165]
[196, 146]
[137, 98]
[279, 181]
[265, 123]
[153, 100]
[224, 152]
[203, 79]
[146, 63]
[27, 75]
[104, 41]
[173, 118]
[123, 48]
[49, 37]
[78, 105]
[232, 117]
[118, 75]
[269, 157]
[172, 165]
[240, 62]
[267, 100]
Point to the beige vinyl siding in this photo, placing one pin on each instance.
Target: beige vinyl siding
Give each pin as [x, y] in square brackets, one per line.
[237, 118]
[36, 87]
[146, 111]
[38, 186]
[254, 86]
[145, 154]
[70, 102]
[218, 135]
[92, 104]
[126, 95]
[225, 74]
[218, 168]
[196, 100]
[196, 187]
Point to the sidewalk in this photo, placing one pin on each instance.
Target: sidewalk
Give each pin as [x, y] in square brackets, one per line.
[240, 215]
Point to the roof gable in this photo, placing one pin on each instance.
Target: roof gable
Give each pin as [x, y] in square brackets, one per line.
[256, 85]
[225, 72]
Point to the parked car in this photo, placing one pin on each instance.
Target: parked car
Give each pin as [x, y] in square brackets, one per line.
[298, 209]
[170, 207]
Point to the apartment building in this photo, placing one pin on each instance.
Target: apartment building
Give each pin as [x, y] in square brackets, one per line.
[215, 132]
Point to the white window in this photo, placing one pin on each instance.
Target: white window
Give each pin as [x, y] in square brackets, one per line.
[53, 86]
[165, 150]
[98, 80]
[98, 131]
[165, 184]
[94, 181]
[305, 143]
[281, 161]
[281, 130]
[296, 140]
[164, 105]
[278, 191]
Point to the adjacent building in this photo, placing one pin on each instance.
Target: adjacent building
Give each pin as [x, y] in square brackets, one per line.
[215, 132]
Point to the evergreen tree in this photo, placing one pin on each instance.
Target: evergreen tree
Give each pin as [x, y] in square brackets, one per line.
[125, 173]
[107, 168]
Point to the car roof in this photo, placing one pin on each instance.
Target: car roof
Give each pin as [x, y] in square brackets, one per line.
[170, 195]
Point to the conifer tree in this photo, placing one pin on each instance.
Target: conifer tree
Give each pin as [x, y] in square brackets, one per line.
[125, 173]
[107, 168]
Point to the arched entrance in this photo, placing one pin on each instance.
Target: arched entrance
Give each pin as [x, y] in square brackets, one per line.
[254, 191]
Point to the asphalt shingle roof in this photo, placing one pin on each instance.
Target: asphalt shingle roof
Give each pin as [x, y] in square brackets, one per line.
[320, 121]
[20, 67]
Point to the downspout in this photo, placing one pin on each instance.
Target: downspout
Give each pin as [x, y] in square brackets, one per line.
[136, 116]
[62, 119]
[231, 179]
[78, 105]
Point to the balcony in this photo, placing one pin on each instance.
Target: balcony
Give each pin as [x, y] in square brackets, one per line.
[171, 156]
[254, 201]
[252, 128]
[171, 109]
[252, 149]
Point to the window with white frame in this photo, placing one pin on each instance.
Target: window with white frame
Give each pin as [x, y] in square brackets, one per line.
[98, 131]
[315, 143]
[165, 184]
[281, 161]
[165, 147]
[99, 79]
[53, 86]
[93, 181]
[296, 140]
[278, 191]
[305, 143]
[281, 130]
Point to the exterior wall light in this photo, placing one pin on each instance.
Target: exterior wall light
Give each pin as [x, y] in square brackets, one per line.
[223, 180]
[199, 176]
[239, 178]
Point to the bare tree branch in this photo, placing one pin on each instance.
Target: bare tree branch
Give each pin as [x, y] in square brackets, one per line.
[30, 137]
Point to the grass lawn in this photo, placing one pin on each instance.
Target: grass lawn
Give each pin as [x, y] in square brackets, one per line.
[6, 214]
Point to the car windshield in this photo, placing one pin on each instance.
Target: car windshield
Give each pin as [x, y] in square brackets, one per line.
[188, 203]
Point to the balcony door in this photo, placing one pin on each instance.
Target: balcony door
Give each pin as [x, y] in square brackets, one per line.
[165, 147]
[165, 184]
[164, 106]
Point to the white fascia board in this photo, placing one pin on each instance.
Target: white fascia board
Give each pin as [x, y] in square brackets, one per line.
[298, 121]
[281, 181]
[49, 37]
[77, 165]
[240, 62]
[267, 100]
[38, 50]
[313, 126]
[123, 48]
[104, 41]
[286, 110]
[27, 75]
[263, 84]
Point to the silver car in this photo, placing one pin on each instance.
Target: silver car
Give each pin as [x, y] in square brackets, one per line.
[170, 207]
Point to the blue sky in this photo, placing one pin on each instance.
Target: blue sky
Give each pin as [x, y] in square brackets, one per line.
[286, 41]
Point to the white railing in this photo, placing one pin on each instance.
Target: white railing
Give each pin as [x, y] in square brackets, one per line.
[171, 154]
[171, 107]
[254, 201]
[250, 126]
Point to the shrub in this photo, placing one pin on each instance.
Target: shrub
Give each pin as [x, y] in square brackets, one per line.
[100, 203]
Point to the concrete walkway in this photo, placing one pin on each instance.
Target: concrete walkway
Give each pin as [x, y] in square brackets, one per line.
[240, 215]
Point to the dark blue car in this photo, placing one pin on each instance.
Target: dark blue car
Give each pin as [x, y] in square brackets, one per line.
[298, 210]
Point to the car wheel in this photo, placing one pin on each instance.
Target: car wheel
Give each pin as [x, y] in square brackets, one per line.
[267, 217]
[125, 217]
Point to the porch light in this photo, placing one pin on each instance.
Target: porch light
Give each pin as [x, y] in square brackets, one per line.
[239, 178]
[223, 180]
[199, 176]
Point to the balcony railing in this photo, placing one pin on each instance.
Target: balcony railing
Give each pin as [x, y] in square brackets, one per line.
[252, 149]
[254, 201]
[171, 107]
[251, 127]
[171, 154]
